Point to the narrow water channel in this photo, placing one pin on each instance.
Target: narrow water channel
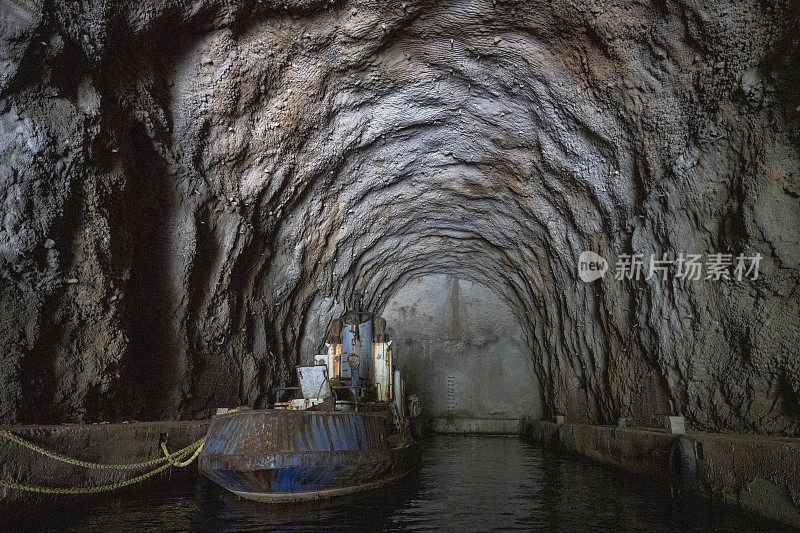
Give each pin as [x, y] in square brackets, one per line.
[465, 483]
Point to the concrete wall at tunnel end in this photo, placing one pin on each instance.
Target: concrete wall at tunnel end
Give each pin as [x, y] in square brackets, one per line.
[461, 349]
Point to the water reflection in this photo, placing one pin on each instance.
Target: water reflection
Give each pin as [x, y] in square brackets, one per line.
[464, 483]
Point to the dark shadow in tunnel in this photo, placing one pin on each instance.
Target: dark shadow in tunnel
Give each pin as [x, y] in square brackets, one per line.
[150, 363]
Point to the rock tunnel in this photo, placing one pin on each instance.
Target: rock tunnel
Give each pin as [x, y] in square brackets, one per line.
[190, 190]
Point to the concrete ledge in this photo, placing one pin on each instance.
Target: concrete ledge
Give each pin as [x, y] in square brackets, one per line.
[510, 426]
[102, 443]
[761, 474]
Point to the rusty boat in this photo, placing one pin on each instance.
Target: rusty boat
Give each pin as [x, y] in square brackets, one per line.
[343, 429]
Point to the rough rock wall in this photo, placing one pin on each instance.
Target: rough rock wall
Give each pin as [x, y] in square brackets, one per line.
[189, 189]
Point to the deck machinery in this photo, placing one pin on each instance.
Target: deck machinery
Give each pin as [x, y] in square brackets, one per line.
[346, 429]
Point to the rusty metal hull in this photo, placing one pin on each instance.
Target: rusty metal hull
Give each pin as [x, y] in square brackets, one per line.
[298, 497]
[281, 455]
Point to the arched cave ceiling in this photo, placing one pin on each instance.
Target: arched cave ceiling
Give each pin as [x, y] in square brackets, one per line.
[191, 189]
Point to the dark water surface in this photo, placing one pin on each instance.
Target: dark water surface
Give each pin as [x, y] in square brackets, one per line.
[465, 483]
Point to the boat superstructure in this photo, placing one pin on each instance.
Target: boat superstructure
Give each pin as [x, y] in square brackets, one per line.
[343, 428]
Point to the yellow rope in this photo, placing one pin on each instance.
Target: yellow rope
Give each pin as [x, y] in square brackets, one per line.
[86, 464]
[173, 459]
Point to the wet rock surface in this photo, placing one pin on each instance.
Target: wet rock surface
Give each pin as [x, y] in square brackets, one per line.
[189, 190]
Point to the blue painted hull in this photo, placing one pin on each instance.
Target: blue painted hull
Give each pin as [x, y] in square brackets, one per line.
[282, 455]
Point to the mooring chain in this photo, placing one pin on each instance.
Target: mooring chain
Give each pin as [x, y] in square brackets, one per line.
[175, 459]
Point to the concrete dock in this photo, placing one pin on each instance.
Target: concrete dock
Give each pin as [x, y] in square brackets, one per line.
[101, 443]
[760, 474]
